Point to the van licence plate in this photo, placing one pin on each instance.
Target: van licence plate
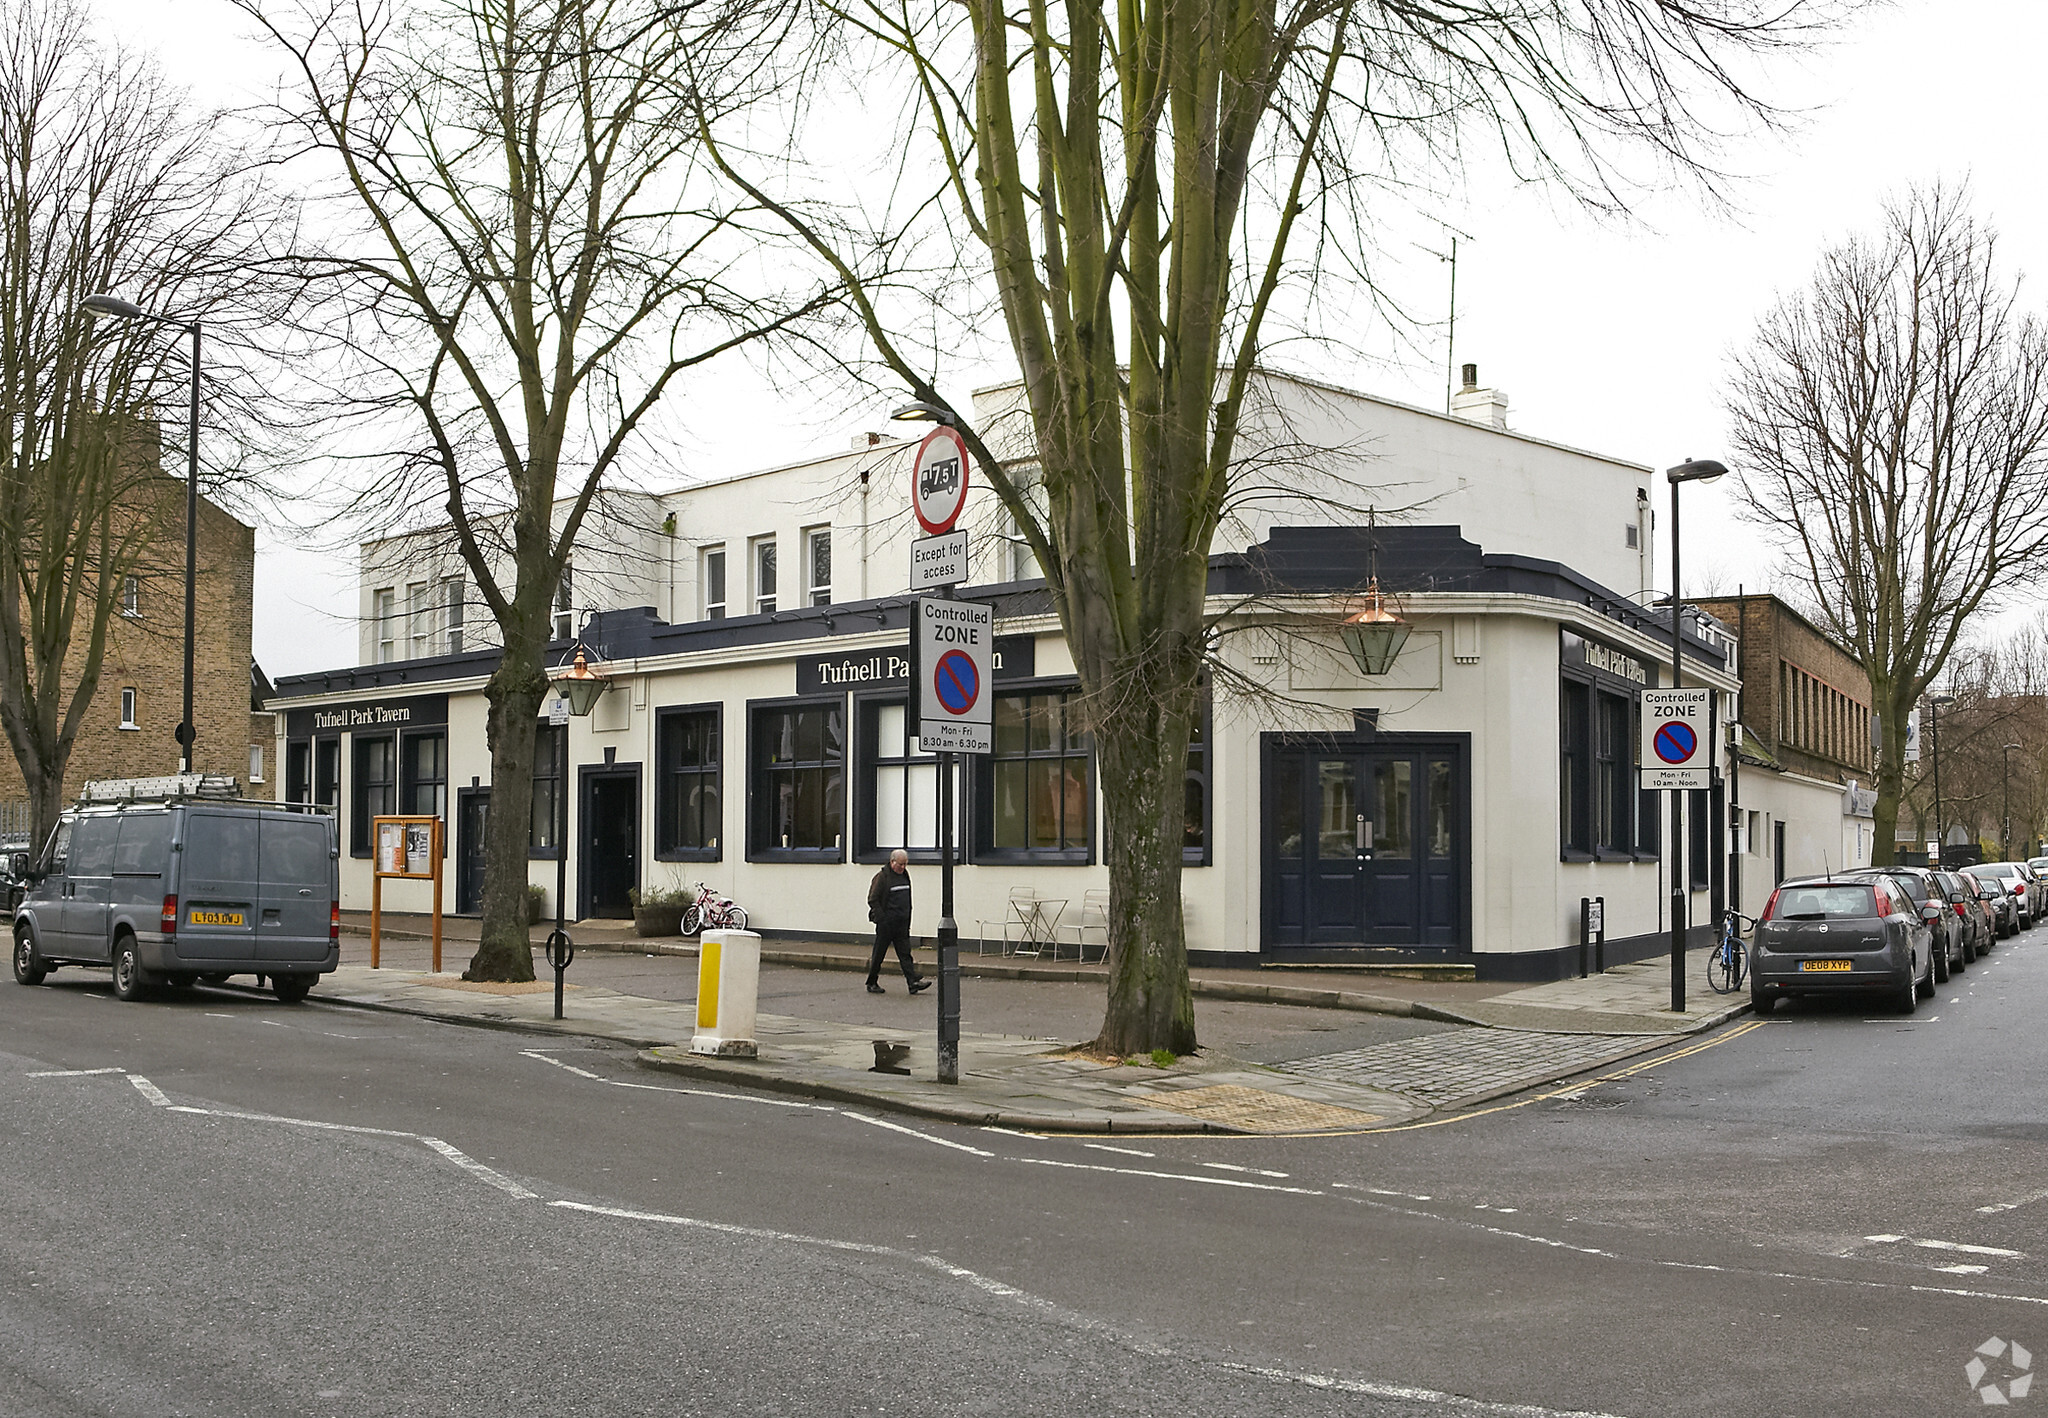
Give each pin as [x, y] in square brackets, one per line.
[1823, 965]
[216, 918]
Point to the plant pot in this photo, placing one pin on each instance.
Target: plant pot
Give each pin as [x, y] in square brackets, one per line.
[658, 920]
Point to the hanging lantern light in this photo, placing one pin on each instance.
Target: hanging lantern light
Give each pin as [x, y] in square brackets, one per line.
[1374, 635]
[581, 685]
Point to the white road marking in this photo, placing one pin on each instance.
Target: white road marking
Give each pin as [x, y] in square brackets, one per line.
[1127, 1151]
[479, 1170]
[1013, 1132]
[1254, 1171]
[1404, 1393]
[1382, 1191]
[1962, 1269]
[73, 1072]
[999, 1289]
[1166, 1176]
[1949, 1246]
[149, 1090]
[912, 1132]
[2027, 1200]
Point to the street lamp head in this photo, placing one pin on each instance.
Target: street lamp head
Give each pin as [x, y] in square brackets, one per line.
[918, 411]
[582, 685]
[1941, 701]
[1696, 470]
[111, 305]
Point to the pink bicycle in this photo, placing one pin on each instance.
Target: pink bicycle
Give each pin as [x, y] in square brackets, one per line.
[711, 909]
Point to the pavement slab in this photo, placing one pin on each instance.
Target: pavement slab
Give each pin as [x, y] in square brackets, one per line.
[1461, 1067]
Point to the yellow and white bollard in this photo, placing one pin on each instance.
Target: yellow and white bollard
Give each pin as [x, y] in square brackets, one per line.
[728, 987]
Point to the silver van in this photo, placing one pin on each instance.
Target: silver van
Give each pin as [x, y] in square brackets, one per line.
[182, 890]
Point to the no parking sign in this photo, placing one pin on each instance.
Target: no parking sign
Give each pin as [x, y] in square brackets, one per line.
[1677, 742]
[955, 663]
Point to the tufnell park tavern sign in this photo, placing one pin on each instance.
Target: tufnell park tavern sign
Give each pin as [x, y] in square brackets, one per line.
[1015, 658]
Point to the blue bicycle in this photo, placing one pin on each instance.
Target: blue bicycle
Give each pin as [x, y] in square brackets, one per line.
[1727, 963]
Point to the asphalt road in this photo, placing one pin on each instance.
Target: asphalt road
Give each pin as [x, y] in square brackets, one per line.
[326, 1211]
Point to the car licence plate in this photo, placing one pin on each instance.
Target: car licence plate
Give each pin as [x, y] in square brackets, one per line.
[216, 918]
[1812, 966]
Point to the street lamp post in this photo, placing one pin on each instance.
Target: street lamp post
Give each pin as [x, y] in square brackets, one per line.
[2005, 814]
[580, 687]
[96, 305]
[1934, 703]
[1692, 470]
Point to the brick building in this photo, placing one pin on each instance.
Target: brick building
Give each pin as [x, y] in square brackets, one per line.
[129, 728]
[1804, 745]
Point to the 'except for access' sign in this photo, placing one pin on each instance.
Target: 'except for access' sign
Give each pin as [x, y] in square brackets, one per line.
[938, 561]
[955, 644]
[1677, 748]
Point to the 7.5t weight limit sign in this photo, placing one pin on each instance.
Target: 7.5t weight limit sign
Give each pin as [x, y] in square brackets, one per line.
[1677, 741]
[955, 662]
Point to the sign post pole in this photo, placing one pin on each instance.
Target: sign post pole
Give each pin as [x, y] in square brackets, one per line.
[953, 662]
[1678, 844]
[949, 929]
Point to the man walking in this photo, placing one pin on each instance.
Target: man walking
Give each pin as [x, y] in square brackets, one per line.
[889, 909]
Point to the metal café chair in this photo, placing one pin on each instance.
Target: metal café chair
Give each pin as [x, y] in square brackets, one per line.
[1017, 916]
[1094, 923]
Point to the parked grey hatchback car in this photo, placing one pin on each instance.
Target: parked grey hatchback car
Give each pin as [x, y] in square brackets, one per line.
[1825, 935]
[183, 890]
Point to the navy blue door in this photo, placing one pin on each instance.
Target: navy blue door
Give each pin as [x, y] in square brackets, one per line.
[1366, 844]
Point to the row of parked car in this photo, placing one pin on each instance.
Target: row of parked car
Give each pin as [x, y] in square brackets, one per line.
[1897, 930]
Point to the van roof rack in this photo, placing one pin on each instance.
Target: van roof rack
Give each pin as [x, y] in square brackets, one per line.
[217, 787]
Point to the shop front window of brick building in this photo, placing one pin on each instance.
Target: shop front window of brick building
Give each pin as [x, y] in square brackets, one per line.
[128, 709]
[255, 762]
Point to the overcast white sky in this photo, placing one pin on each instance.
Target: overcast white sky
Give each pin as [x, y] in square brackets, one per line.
[1607, 337]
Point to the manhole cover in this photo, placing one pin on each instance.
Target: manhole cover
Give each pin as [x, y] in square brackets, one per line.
[1257, 1110]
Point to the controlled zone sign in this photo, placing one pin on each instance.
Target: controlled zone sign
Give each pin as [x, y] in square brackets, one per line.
[955, 668]
[938, 481]
[1677, 747]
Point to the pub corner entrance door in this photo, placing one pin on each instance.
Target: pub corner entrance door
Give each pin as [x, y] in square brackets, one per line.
[1367, 841]
[608, 840]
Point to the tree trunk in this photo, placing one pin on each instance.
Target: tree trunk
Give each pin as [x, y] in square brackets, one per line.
[514, 693]
[1891, 777]
[45, 784]
[1141, 752]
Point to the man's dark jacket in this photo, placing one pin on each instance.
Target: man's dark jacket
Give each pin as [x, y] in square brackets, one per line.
[889, 897]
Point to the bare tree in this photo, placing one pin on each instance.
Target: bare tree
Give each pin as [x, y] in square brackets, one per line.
[107, 184]
[1151, 195]
[1892, 428]
[530, 262]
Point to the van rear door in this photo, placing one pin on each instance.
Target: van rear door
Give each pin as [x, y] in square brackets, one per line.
[217, 885]
[296, 887]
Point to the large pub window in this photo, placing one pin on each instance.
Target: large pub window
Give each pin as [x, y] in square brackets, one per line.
[1037, 800]
[1575, 833]
[688, 810]
[426, 775]
[1699, 864]
[899, 784]
[1194, 846]
[376, 788]
[327, 772]
[298, 771]
[797, 807]
[1649, 804]
[1615, 793]
[550, 749]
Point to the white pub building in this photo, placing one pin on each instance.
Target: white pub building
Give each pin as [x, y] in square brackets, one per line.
[1453, 806]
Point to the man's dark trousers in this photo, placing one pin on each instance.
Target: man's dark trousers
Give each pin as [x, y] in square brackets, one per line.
[891, 931]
